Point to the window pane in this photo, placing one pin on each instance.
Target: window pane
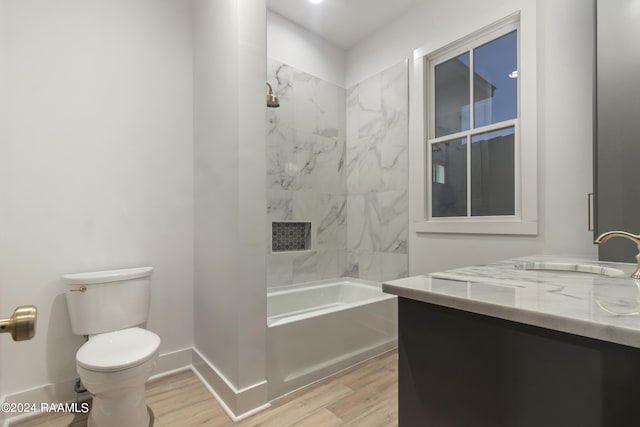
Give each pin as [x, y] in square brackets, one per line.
[492, 173]
[495, 81]
[452, 86]
[449, 178]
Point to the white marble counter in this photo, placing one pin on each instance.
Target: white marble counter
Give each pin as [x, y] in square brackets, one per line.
[604, 306]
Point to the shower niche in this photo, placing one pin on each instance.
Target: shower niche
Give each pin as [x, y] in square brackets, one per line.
[289, 236]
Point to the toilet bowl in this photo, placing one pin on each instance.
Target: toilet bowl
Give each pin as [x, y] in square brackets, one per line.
[116, 361]
[114, 367]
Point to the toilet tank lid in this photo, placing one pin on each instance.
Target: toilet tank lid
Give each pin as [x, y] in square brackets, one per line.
[106, 276]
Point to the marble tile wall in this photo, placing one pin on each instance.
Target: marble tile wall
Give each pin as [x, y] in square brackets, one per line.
[339, 159]
[378, 176]
[306, 174]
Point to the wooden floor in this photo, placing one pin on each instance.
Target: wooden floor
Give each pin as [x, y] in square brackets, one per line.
[365, 395]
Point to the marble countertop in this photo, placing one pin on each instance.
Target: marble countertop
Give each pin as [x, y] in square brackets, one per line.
[599, 300]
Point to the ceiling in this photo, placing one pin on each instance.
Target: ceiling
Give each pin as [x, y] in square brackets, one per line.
[342, 22]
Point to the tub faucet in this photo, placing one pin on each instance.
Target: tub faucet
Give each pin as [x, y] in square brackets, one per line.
[633, 237]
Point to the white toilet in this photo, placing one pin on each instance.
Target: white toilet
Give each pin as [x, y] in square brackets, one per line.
[118, 358]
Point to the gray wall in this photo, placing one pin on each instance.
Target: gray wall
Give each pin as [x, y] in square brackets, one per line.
[618, 135]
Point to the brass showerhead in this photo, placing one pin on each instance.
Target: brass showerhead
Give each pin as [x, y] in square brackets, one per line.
[272, 100]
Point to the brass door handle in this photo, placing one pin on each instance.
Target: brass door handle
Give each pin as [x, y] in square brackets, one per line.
[21, 324]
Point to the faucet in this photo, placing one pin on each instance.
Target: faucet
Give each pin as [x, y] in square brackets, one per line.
[633, 237]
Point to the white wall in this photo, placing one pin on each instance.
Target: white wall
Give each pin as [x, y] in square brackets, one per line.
[290, 43]
[229, 52]
[96, 166]
[3, 117]
[430, 24]
[216, 163]
[565, 40]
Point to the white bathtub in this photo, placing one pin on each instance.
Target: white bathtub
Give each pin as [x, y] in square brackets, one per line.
[316, 329]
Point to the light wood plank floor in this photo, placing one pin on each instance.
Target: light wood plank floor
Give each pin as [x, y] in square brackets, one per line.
[365, 395]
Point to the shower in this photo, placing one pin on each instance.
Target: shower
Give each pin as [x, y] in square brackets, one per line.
[272, 100]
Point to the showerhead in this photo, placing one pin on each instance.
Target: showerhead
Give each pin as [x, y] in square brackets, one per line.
[272, 100]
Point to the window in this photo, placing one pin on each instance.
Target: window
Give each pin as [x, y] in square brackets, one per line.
[473, 127]
[475, 176]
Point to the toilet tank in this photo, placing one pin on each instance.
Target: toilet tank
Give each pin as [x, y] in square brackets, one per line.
[106, 301]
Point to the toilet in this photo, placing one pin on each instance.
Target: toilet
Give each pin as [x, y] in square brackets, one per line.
[117, 360]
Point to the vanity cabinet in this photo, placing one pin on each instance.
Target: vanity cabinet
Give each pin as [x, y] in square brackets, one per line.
[617, 134]
[468, 370]
[528, 342]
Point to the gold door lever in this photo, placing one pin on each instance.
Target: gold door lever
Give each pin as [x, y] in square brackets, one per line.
[21, 324]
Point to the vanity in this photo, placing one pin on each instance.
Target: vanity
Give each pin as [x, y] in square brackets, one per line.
[533, 341]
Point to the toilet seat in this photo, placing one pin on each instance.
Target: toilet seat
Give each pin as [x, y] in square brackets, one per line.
[118, 350]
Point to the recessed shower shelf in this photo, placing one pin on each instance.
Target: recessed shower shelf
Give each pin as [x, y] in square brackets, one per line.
[287, 236]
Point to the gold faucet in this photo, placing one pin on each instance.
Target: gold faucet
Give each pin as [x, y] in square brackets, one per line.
[633, 237]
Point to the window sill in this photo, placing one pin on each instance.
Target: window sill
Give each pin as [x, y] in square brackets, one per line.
[514, 227]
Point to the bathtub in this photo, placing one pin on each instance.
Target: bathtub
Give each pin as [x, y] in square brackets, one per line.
[316, 329]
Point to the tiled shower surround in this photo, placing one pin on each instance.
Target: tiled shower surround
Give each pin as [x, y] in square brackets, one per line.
[339, 159]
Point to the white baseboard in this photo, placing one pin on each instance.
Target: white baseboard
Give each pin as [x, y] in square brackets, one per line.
[63, 392]
[171, 363]
[49, 393]
[238, 404]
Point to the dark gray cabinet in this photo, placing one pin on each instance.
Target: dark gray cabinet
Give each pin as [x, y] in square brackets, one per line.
[463, 369]
[617, 136]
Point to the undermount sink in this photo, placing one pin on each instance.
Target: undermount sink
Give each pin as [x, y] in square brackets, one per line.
[565, 267]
